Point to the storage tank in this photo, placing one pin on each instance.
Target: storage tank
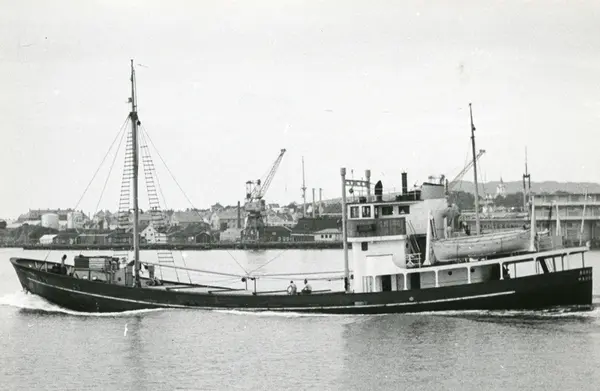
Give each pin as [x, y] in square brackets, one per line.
[50, 220]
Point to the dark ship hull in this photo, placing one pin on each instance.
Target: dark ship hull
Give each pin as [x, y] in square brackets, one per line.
[561, 288]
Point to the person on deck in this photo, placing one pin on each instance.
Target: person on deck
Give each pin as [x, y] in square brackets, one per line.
[307, 288]
[63, 268]
[466, 229]
[505, 272]
[292, 288]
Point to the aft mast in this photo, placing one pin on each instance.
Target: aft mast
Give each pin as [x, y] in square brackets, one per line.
[477, 223]
[134, 133]
[526, 187]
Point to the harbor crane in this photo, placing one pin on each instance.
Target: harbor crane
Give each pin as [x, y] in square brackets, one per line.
[255, 206]
[458, 177]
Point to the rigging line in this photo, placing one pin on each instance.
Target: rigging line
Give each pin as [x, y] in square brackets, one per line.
[260, 267]
[202, 271]
[109, 172]
[220, 281]
[465, 162]
[155, 174]
[150, 168]
[481, 181]
[169, 170]
[236, 261]
[325, 273]
[146, 135]
[184, 264]
[333, 278]
[102, 162]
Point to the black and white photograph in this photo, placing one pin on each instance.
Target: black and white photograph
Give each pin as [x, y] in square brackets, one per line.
[299, 195]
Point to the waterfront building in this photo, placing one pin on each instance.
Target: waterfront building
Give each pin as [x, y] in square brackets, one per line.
[573, 210]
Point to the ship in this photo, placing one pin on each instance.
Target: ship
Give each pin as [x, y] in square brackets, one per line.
[389, 267]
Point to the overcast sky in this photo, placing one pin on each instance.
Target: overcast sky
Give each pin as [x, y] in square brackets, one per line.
[363, 84]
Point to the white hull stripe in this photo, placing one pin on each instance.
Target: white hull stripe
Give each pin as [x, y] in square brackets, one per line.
[297, 309]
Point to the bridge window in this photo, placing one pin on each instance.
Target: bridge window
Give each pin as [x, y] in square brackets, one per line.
[366, 211]
[403, 209]
[354, 212]
[364, 246]
[387, 210]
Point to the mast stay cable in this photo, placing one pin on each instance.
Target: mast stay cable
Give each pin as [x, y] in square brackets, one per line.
[110, 171]
[102, 162]
[181, 189]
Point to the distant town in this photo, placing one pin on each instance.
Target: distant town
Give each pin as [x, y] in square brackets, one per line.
[318, 222]
[191, 226]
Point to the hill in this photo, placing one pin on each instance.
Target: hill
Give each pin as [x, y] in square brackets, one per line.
[536, 187]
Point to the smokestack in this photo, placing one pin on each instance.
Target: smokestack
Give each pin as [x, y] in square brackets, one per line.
[313, 203]
[239, 216]
[320, 200]
[404, 184]
[379, 191]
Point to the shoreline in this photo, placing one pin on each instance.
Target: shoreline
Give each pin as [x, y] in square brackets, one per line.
[194, 246]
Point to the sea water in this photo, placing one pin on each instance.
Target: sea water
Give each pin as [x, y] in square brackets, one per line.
[44, 347]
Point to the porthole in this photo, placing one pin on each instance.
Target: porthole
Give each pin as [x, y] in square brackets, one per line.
[449, 273]
[472, 270]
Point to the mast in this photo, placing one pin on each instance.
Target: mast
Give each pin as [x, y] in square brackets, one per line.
[303, 191]
[585, 198]
[526, 185]
[477, 223]
[345, 232]
[134, 133]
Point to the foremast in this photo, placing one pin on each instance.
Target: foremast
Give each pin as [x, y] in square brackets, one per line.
[135, 155]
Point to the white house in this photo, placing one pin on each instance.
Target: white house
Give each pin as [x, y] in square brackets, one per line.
[152, 235]
[47, 239]
[328, 235]
[226, 218]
